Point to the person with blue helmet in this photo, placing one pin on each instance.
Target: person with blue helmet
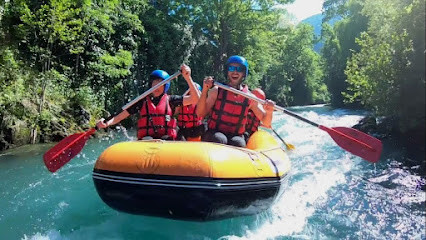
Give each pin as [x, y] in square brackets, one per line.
[190, 125]
[156, 111]
[228, 111]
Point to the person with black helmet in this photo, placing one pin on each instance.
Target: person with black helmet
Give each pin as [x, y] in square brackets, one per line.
[156, 111]
[228, 111]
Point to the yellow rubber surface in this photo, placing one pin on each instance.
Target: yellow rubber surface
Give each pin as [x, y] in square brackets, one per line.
[263, 157]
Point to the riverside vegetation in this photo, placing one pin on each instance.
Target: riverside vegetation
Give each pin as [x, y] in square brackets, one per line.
[66, 63]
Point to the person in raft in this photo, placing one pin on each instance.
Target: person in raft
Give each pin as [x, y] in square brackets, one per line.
[253, 122]
[228, 111]
[155, 111]
[190, 126]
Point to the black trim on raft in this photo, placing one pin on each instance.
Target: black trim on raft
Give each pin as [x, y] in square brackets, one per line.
[183, 181]
[186, 198]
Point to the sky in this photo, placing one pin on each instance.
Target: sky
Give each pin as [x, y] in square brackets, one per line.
[303, 9]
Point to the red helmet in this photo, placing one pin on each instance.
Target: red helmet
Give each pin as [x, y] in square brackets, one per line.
[259, 93]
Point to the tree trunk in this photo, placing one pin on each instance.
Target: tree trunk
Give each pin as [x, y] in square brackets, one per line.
[223, 46]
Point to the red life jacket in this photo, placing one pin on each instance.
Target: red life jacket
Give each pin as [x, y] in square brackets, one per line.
[252, 123]
[156, 121]
[229, 113]
[187, 118]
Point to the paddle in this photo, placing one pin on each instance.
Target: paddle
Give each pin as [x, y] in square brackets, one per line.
[288, 145]
[352, 140]
[69, 147]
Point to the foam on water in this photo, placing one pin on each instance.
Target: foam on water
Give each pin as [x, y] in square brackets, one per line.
[313, 175]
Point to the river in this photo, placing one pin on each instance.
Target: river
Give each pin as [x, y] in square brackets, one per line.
[331, 194]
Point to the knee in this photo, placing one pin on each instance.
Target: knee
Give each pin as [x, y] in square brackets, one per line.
[220, 138]
[237, 141]
[166, 137]
[217, 137]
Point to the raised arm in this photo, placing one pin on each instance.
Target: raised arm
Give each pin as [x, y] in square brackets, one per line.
[208, 97]
[194, 93]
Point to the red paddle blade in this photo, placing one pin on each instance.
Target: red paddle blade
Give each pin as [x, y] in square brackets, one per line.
[65, 150]
[356, 142]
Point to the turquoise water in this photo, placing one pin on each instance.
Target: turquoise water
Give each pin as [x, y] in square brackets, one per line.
[331, 194]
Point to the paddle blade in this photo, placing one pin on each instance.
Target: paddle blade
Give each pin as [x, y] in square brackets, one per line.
[65, 150]
[290, 146]
[356, 142]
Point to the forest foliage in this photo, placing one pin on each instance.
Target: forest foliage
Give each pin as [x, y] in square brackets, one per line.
[375, 58]
[66, 63]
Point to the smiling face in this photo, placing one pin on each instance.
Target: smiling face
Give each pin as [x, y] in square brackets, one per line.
[159, 90]
[236, 73]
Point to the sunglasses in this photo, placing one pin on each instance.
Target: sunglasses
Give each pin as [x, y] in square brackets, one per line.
[234, 68]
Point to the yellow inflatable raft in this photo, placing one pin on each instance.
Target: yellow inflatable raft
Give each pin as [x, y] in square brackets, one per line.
[192, 180]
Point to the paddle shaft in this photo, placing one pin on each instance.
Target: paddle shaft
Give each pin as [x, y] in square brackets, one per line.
[276, 107]
[143, 95]
[70, 146]
[149, 91]
[282, 140]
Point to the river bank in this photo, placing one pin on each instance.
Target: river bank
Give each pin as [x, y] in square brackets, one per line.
[17, 130]
[410, 141]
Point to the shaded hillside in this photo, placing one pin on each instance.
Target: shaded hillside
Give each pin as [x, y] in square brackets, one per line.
[316, 22]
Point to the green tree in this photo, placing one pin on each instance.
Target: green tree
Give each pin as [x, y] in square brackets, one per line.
[340, 43]
[112, 32]
[41, 32]
[162, 46]
[295, 77]
[225, 28]
[388, 74]
[68, 46]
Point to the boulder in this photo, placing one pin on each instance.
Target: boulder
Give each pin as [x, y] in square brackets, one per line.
[14, 132]
[368, 125]
[81, 115]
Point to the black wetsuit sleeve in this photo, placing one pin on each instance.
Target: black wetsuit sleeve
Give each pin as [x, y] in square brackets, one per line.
[136, 107]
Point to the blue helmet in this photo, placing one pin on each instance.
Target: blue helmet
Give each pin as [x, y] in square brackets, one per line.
[156, 74]
[198, 86]
[240, 60]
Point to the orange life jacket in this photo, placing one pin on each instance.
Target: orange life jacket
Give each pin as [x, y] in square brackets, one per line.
[156, 121]
[187, 118]
[252, 123]
[229, 113]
